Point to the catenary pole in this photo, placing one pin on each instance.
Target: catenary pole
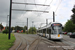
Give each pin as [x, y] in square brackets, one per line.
[46, 25]
[53, 16]
[27, 25]
[10, 19]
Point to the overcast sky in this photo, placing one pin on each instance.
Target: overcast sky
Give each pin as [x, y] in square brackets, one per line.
[62, 14]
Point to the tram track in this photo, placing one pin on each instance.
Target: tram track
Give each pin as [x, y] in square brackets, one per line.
[33, 44]
[59, 45]
[22, 44]
[27, 44]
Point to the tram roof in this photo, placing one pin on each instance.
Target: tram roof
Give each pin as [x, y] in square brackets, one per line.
[44, 27]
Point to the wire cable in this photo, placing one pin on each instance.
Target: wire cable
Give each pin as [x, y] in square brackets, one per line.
[25, 2]
[35, 4]
[49, 4]
[45, 1]
[45, 9]
[58, 5]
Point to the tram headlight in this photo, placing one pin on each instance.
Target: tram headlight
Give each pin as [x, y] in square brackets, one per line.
[58, 35]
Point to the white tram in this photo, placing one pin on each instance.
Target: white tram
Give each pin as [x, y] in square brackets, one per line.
[51, 31]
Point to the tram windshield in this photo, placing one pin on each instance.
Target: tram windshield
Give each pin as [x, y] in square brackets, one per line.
[57, 28]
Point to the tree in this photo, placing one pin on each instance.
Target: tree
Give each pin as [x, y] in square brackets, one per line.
[73, 10]
[18, 28]
[73, 16]
[70, 24]
[32, 30]
[6, 31]
[1, 26]
[12, 28]
[69, 27]
[25, 28]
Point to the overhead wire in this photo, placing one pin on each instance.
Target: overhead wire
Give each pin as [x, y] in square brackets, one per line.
[44, 3]
[25, 2]
[49, 4]
[46, 8]
[58, 5]
[35, 4]
[24, 7]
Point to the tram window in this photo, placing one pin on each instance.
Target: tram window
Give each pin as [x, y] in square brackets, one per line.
[57, 30]
[49, 31]
[53, 28]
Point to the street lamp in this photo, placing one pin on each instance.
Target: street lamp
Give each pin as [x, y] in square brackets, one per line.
[7, 21]
[32, 26]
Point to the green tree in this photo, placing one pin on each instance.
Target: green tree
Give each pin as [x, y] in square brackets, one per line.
[32, 30]
[1, 26]
[5, 31]
[18, 28]
[73, 10]
[69, 27]
[73, 16]
[70, 24]
[25, 28]
[12, 28]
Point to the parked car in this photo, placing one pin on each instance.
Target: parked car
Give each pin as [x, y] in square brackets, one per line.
[64, 32]
[69, 33]
[72, 35]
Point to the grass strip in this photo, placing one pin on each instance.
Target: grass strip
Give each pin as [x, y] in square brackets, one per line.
[5, 43]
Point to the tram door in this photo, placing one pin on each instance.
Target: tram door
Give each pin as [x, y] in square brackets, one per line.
[49, 32]
[44, 31]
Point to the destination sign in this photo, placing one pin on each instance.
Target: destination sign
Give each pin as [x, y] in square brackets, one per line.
[56, 24]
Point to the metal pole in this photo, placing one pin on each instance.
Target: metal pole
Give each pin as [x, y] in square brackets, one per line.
[32, 27]
[10, 19]
[27, 25]
[46, 25]
[49, 34]
[42, 32]
[7, 21]
[53, 16]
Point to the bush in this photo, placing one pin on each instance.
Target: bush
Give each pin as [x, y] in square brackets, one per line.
[6, 31]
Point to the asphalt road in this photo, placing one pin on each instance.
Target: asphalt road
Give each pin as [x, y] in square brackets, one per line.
[22, 41]
[35, 42]
[70, 41]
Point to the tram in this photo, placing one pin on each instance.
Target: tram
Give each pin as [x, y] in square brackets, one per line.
[51, 31]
